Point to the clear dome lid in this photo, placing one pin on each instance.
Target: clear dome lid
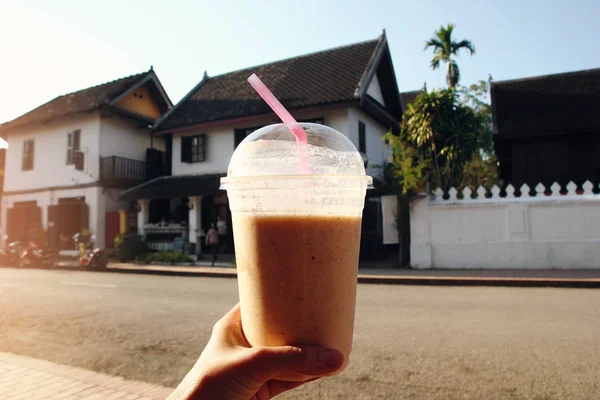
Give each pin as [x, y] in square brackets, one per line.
[274, 151]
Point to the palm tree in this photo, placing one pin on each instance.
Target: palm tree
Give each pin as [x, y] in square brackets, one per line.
[444, 48]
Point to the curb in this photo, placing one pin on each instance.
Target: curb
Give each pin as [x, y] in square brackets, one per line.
[590, 283]
[165, 272]
[483, 281]
[404, 280]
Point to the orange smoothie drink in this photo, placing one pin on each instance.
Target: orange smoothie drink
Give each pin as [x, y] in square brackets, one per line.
[297, 236]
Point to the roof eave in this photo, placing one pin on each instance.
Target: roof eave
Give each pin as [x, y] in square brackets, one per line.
[380, 53]
[43, 121]
[133, 115]
[371, 69]
[265, 116]
[162, 119]
[373, 108]
[149, 77]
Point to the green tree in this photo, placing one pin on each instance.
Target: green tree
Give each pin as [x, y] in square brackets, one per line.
[444, 48]
[477, 97]
[482, 168]
[438, 136]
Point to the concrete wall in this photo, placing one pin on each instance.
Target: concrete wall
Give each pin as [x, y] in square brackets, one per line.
[556, 231]
[50, 155]
[122, 137]
[374, 90]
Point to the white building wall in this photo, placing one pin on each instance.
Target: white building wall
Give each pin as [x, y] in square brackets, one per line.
[112, 201]
[50, 167]
[219, 148]
[123, 138]
[377, 151]
[374, 90]
[220, 142]
[337, 119]
[94, 197]
[159, 143]
[534, 232]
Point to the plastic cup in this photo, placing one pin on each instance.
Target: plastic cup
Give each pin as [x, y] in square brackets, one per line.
[297, 235]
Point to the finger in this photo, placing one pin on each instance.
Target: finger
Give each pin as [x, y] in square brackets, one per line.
[294, 363]
[278, 387]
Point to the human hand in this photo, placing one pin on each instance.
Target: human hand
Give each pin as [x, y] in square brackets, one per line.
[230, 369]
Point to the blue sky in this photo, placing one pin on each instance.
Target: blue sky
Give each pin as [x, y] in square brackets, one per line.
[51, 48]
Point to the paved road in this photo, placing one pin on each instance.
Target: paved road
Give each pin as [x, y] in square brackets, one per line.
[410, 342]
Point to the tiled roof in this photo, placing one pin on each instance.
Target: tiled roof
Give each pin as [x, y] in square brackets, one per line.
[545, 104]
[80, 101]
[407, 97]
[325, 77]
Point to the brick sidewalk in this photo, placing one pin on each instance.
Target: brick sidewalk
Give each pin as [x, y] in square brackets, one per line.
[27, 378]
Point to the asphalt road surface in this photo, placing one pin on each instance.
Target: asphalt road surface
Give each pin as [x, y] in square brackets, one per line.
[410, 342]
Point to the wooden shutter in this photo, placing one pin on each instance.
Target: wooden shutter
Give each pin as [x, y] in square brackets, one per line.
[186, 149]
[81, 216]
[11, 224]
[69, 148]
[28, 152]
[78, 160]
[53, 227]
[239, 135]
[201, 149]
[31, 153]
[76, 139]
[24, 157]
[362, 140]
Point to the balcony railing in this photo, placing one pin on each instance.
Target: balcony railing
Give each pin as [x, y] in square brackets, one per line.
[121, 172]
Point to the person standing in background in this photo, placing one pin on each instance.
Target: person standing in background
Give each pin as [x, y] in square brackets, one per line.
[222, 228]
[212, 242]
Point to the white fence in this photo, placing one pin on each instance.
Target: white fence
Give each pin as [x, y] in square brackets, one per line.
[553, 229]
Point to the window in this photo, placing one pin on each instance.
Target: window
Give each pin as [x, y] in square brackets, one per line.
[240, 134]
[362, 140]
[193, 149]
[28, 152]
[73, 141]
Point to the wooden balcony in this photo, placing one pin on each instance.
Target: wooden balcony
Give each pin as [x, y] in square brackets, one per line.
[121, 172]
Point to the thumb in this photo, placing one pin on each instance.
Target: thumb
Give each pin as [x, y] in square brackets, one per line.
[295, 363]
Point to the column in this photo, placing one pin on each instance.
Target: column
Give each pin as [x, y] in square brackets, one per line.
[194, 222]
[97, 214]
[143, 215]
[122, 221]
[5, 206]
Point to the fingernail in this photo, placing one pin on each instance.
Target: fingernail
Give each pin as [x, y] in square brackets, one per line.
[331, 358]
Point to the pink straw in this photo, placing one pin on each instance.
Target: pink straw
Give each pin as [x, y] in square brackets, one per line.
[278, 108]
[284, 115]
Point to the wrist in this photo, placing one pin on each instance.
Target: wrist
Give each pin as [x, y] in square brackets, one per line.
[193, 387]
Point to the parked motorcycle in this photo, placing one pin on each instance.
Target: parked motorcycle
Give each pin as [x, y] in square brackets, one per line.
[90, 257]
[35, 256]
[11, 254]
